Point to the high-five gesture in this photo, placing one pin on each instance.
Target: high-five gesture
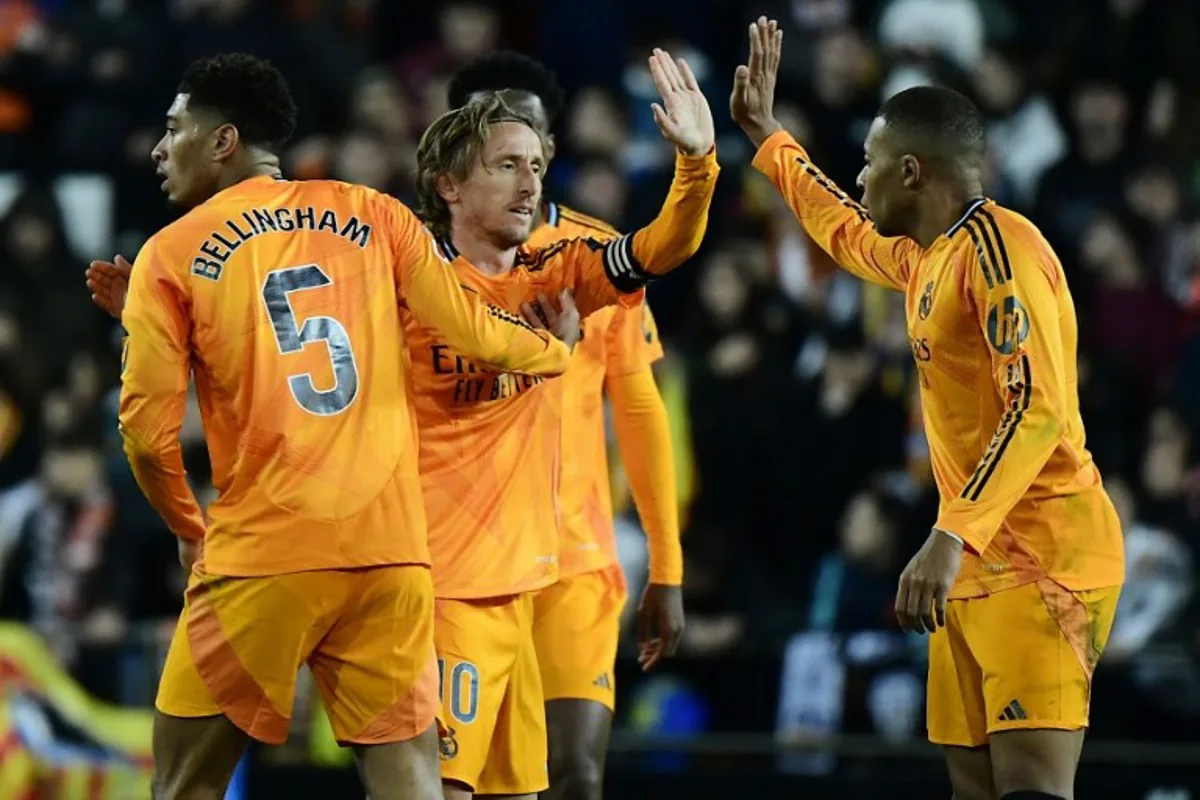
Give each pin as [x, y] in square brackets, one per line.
[684, 116]
[752, 104]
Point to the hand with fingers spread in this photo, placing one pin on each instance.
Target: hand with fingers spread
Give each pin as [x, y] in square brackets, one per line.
[926, 581]
[660, 624]
[752, 104]
[564, 322]
[684, 116]
[109, 283]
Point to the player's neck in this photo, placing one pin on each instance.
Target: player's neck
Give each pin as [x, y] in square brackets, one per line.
[941, 210]
[483, 253]
[256, 165]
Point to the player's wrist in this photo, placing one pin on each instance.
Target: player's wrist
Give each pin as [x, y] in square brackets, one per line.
[952, 536]
[696, 151]
[759, 129]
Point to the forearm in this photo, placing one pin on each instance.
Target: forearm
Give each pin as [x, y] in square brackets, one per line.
[676, 233]
[160, 475]
[644, 439]
[1023, 443]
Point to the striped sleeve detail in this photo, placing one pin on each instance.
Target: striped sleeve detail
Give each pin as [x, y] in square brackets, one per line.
[832, 188]
[1019, 382]
[999, 240]
[620, 264]
[512, 319]
[989, 247]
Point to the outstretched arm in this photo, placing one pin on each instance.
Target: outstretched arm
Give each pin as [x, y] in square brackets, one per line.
[608, 272]
[834, 221]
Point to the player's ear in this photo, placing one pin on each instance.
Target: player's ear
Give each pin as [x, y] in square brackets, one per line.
[551, 147]
[910, 171]
[446, 188]
[225, 141]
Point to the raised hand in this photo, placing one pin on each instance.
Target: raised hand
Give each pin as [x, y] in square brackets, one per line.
[684, 116]
[109, 282]
[563, 322]
[752, 103]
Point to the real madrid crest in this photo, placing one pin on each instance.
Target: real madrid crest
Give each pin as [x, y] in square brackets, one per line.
[926, 304]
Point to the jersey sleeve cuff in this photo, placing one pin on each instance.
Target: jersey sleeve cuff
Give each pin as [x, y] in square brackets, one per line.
[698, 166]
[959, 528]
[764, 159]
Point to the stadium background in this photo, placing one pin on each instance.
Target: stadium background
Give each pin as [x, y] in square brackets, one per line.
[803, 473]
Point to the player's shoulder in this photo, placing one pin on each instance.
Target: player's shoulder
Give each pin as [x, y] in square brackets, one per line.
[331, 191]
[996, 235]
[183, 234]
[574, 224]
[563, 230]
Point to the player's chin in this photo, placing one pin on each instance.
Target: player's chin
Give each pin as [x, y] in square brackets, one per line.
[515, 234]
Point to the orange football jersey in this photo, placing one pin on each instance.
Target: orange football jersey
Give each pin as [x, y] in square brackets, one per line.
[490, 441]
[615, 341]
[993, 332]
[282, 299]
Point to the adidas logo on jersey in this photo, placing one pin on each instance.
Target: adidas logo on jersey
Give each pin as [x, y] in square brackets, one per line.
[602, 682]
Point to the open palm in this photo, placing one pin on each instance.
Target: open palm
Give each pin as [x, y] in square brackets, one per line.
[109, 283]
[684, 116]
[752, 103]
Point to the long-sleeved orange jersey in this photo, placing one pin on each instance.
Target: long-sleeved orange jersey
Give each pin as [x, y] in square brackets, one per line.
[993, 332]
[615, 353]
[490, 441]
[283, 300]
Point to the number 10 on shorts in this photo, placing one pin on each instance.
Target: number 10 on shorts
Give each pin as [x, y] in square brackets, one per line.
[463, 689]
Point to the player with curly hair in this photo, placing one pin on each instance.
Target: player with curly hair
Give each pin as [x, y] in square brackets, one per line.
[316, 549]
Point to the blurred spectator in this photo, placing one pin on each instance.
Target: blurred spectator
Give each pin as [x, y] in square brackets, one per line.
[598, 188]
[56, 575]
[1158, 580]
[466, 29]
[1024, 137]
[1090, 178]
[855, 586]
[920, 36]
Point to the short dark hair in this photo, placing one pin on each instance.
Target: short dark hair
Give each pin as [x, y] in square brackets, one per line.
[505, 69]
[245, 91]
[939, 119]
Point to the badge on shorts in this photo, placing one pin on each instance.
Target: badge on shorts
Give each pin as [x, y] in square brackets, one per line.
[447, 744]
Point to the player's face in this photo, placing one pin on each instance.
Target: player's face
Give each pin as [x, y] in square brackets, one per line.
[183, 156]
[882, 182]
[500, 196]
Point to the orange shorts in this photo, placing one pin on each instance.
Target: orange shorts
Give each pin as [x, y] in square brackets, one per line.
[576, 626]
[1018, 659]
[366, 634]
[493, 715]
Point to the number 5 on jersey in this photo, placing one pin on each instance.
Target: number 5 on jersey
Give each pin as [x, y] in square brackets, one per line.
[291, 338]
